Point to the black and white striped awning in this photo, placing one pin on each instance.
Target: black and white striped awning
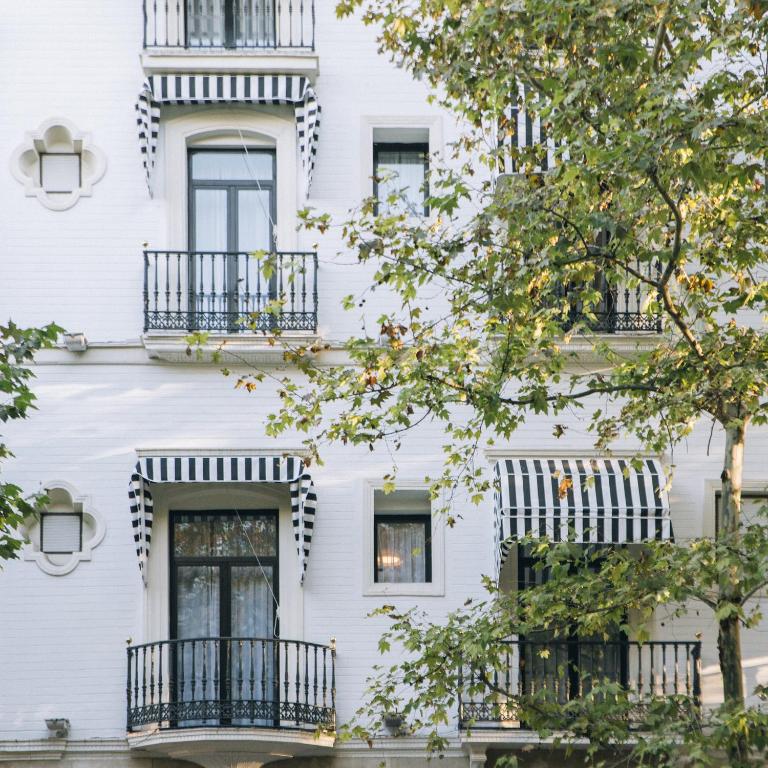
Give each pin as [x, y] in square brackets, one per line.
[294, 90]
[588, 501]
[222, 469]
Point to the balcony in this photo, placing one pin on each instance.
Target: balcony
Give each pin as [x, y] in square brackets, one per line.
[567, 670]
[229, 37]
[204, 699]
[619, 310]
[249, 25]
[229, 293]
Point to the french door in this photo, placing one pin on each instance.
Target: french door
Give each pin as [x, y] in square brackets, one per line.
[567, 666]
[231, 215]
[224, 581]
[231, 23]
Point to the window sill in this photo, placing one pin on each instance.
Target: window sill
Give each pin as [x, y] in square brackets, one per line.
[431, 589]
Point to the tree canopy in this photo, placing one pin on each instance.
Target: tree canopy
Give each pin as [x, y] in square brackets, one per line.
[645, 179]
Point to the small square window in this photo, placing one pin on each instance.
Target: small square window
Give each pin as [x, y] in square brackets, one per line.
[402, 538]
[61, 533]
[60, 172]
[753, 504]
[401, 169]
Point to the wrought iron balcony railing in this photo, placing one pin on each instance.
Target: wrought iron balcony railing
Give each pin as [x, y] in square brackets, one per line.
[229, 292]
[221, 24]
[621, 309]
[565, 670]
[231, 682]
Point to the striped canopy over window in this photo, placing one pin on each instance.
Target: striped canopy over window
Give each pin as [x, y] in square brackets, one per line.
[588, 501]
[222, 469]
[293, 90]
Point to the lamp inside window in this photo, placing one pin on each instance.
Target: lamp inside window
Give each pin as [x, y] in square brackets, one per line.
[402, 537]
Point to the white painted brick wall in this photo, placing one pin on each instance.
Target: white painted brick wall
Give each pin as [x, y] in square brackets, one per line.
[62, 640]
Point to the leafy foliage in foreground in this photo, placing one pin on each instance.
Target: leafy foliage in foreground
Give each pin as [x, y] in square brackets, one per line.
[589, 593]
[17, 349]
[658, 115]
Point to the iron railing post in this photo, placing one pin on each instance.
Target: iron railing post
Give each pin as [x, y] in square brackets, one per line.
[128, 723]
[146, 292]
[314, 293]
[696, 656]
[333, 681]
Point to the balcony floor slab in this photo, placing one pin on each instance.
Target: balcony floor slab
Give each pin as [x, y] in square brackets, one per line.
[213, 747]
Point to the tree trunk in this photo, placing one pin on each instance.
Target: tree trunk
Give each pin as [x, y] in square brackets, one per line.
[730, 593]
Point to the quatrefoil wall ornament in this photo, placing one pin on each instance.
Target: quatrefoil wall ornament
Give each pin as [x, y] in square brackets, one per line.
[58, 164]
[51, 543]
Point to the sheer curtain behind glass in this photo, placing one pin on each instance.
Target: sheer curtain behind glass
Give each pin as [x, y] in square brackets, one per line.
[401, 172]
[401, 552]
[197, 612]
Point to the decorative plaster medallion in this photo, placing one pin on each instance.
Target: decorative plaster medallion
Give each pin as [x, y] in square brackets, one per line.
[64, 498]
[57, 136]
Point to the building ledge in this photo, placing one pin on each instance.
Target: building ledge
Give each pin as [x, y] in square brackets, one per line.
[218, 60]
[231, 747]
[224, 348]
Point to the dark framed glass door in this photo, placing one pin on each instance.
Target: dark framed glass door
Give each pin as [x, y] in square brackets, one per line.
[224, 582]
[230, 23]
[571, 662]
[232, 214]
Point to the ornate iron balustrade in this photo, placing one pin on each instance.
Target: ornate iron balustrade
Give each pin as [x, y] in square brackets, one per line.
[229, 292]
[565, 670]
[232, 682]
[238, 24]
[621, 309]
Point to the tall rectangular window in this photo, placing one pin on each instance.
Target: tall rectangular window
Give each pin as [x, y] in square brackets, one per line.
[402, 537]
[400, 177]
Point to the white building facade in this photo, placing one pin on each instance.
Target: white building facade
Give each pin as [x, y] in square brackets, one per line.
[194, 592]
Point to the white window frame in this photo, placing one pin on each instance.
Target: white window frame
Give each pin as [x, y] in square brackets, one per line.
[372, 588]
[368, 123]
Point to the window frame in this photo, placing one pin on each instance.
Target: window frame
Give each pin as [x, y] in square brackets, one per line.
[224, 564]
[231, 187]
[44, 515]
[229, 30]
[373, 588]
[425, 518]
[395, 146]
[745, 494]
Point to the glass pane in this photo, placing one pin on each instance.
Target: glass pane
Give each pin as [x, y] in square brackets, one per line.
[401, 172]
[232, 165]
[401, 552]
[252, 602]
[225, 535]
[205, 22]
[255, 23]
[253, 220]
[197, 611]
[252, 661]
[197, 601]
[210, 217]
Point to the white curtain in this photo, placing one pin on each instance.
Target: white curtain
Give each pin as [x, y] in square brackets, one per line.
[401, 552]
[401, 173]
